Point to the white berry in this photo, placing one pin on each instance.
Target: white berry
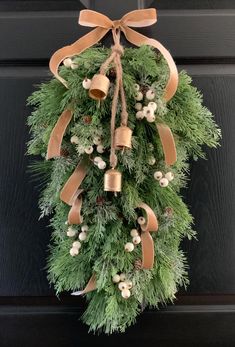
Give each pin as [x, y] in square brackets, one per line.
[136, 240]
[141, 220]
[157, 175]
[100, 149]
[77, 244]
[101, 165]
[163, 182]
[129, 247]
[126, 293]
[137, 87]
[153, 105]
[148, 111]
[134, 232]
[122, 285]
[152, 161]
[67, 62]
[122, 277]
[71, 232]
[150, 95]
[74, 139]
[116, 279]
[89, 150]
[82, 236]
[97, 160]
[97, 140]
[129, 284]
[74, 66]
[138, 106]
[150, 118]
[139, 115]
[170, 176]
[139, 96]
[86, 83]
[73, 251]
[66, 223]
[84, 227]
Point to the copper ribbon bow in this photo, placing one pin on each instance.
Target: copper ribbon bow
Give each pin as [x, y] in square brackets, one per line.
[71, 194]
[137, 19]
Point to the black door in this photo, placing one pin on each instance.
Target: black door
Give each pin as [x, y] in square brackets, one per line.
[200, 34]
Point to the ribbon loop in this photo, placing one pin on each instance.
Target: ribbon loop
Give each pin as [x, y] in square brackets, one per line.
[92, 19]
[147, 243]
[140, 18]
[71, 194]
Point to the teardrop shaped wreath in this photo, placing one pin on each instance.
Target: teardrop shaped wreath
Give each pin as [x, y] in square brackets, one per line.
[115, 130]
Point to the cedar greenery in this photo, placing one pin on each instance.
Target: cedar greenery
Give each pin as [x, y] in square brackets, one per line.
[111, 220]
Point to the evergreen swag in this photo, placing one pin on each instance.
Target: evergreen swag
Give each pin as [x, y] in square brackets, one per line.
[111, 218]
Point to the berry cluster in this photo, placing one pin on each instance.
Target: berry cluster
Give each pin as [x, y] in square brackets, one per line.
[123, 284]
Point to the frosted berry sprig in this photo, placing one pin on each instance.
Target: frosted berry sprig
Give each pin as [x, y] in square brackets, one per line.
[76, 245]
[163, 179]
[124, 285]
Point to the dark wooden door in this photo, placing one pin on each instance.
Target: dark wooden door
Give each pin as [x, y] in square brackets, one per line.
[200, 34]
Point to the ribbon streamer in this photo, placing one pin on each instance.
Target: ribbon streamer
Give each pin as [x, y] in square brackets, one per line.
[91, 285]
[71, 194]
[56, 137]
[147, 243]
[168, 144]
[74, 216]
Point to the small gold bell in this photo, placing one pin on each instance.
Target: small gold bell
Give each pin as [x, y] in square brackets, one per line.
[99, 87]
[112, 181]
[122, 137]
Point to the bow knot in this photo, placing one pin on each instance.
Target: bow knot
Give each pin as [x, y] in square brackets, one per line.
[117, 24]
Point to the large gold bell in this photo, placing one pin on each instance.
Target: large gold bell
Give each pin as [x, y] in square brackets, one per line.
[122, 137]
[112, 181]
[99, 87]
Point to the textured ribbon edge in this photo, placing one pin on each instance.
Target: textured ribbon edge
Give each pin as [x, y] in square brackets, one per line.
[168, 144]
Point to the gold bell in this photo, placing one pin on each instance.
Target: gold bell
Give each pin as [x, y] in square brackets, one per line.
[99, 87]
[112, 181]
[122, 137]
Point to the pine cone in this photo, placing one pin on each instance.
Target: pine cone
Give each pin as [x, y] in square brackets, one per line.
[168, 212]
[138, 264]
[87, 119]
[64, 152]
[100, 200]
[144, 89]
[112, 74]
[120, 216]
